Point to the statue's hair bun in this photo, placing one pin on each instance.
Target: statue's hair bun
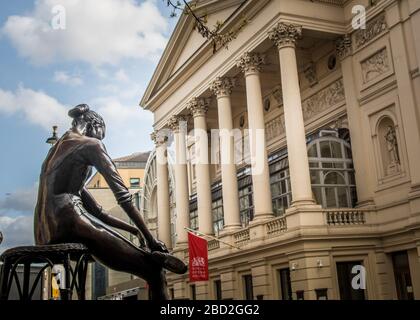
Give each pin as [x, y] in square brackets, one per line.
[78, 111]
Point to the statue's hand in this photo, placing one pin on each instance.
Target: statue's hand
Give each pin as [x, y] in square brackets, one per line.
[157, 245]
[142, 242]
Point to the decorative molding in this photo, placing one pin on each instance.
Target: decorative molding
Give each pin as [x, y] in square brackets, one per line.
[275, 127]
[222, 86]
[339, 3]
[251, 62]
[343, 46]
[373, 28]
[278, 95]
[310, 74]
[285, 34]
[375, 65]
[198, 106]
[323, 99]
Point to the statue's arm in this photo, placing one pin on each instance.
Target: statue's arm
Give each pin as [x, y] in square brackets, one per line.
[96, 155]
[96, 210]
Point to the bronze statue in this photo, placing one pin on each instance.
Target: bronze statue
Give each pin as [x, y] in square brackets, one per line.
[66, 212]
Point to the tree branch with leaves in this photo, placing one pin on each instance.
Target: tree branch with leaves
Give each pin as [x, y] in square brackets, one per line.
[214, 35]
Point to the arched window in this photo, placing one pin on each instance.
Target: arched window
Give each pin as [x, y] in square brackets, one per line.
[331, 169]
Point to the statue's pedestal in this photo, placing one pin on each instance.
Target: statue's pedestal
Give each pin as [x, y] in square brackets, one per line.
[393, 168]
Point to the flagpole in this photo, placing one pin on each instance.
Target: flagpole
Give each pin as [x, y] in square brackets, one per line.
[211, 237]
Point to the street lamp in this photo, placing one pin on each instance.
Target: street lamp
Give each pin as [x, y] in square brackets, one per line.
[53, 139]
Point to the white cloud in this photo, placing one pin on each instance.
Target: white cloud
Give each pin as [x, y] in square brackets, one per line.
[120, 75]
[128, 126]
[96, 32]
[64, 78]
[22, 200]
[17, 231]
[35, 106]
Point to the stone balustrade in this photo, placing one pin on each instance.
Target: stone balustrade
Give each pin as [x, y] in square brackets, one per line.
[241, 237]
[276, 226]
[341, 217]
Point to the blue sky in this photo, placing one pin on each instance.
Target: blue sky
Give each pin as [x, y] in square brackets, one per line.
[104, 55]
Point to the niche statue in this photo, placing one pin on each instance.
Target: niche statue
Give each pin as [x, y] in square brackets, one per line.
[67, 212]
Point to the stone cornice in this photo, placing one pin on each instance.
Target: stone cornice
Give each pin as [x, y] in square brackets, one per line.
[285, 35]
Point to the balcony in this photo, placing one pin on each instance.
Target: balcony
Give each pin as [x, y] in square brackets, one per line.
[295, 223]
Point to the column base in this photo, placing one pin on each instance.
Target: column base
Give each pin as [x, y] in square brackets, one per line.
[304, 203]
[304, 215]
[180, 247]
[262, 217]
[365, 204]
[231, 228]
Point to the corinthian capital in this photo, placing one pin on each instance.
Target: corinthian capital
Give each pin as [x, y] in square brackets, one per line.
[285, 34]
[198, 106]
[177, 123]
[159, 138]
[222, 86]
[250, 62]
[343, 46]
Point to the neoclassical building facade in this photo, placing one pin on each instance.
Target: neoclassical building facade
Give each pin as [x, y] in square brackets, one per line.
[323, 201]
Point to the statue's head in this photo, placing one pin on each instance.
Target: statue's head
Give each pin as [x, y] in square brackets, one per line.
[87, 122]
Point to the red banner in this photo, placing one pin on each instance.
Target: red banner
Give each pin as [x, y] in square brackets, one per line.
[199, 261]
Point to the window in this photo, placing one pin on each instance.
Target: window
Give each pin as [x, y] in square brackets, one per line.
[172, 293]
[321, 294]
[249, 290]
[193, 292]
[194, 219]
[331, 171]
[281, 190]
[345, 277]
[134, 182]
[218, 289]
[285, 284]
[136, 200]
[217, 211]
[300, 295]
[402, 276]
[99, 280]
[246, 207]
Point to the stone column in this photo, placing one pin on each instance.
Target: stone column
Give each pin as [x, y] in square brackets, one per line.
[163, 205]
[285, 37]
[179, 128]
[364, 179]
[198, 109]
[222, 88]
[250, 64]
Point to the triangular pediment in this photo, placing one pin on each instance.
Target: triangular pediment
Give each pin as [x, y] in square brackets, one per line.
[186, 41]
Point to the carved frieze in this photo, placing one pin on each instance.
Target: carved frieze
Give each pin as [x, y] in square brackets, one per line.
[323, 99]
[373, 28]
[274, 127]
[375, 65]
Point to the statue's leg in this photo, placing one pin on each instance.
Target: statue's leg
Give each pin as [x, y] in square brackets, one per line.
[116, 252]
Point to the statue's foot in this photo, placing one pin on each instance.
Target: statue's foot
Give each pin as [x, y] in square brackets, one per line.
[170, 262]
